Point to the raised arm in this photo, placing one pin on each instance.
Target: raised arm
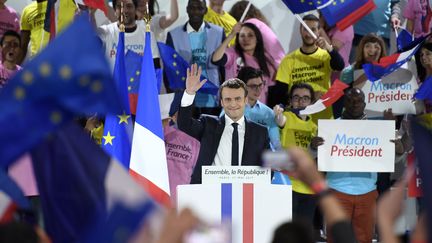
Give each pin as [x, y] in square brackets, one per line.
[220, 51]
[167, 20]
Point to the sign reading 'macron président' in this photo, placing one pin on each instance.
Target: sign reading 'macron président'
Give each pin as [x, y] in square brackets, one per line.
[356, 145]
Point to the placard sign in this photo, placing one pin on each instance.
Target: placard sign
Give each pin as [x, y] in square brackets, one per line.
[394, 91]
[356, 145]
[235, 174]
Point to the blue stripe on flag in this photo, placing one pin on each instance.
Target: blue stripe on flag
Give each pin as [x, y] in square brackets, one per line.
[226, 202]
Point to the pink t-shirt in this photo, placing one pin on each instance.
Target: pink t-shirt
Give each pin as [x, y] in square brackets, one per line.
[182, 153]
[419, 11]
[234, 64]
[6, 74]
[8, 20]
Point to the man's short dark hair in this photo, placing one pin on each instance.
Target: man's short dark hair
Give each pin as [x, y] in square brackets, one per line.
[10, 33]
[233, 83]
[311, 17]
[203, 1]
[294, 232]
[114, 3]
[302, 86]
[247, 73]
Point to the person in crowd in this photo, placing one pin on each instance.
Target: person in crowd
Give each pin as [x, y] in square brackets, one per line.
[32, 23]
[342, 42]
[229, 140]
[162, 21]
[247, 51]
[298, 130]
[181, 149]
[425, 69]
[216, 15]
[381, 21]
[9, 19]
[255, 110]
[134, 32]
[355, 191]
[10, 44]
[239, 7]
[338, 223]
[418, 14]
[312, 63]
[196, 41]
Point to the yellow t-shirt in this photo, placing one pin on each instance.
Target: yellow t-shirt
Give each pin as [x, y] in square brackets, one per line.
[225, 20]
[298, 132]
[313, 69]
[33, 17]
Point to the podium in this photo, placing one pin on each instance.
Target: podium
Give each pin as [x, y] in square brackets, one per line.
[253, 209]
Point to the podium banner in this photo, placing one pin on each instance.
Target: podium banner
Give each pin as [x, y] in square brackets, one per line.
[254, 210]
[356, 145]
[235, 174]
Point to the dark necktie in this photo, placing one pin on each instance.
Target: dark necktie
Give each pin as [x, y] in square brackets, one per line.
[235, 146]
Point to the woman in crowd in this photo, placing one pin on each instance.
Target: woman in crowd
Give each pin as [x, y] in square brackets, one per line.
[425, 69]
[247, 51]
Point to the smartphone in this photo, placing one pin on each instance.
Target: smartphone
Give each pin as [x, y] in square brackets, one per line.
[278, 160]
[220, 233]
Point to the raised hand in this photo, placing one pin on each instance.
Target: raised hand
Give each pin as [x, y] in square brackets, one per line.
[193, 83]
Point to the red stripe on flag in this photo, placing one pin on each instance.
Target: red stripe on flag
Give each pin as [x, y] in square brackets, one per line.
[388, 60]
[133, 101]
[334, 93]
[248, 213]
[52, 23]
[155, 192]
[356, 15]
[98, 4]
[8, 213]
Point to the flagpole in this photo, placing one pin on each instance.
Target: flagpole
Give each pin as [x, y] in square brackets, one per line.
[305, 26]
[245, 12]
[396, 32]
[122, 26]
[147, 18]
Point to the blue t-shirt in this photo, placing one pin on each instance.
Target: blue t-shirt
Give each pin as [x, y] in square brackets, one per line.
[199, 56]
[377, 21]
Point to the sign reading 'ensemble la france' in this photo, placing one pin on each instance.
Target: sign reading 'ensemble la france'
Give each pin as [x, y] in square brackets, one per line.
[356, 145]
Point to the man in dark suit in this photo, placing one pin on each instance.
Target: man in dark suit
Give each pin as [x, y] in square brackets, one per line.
[229, 140]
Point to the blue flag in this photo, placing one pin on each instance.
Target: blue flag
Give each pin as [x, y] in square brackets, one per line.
[404, 39]
[84, 192]
[301, 6]
[117, 135]
[344, 13]
[175, 68]
[425, 90]
[51, 88]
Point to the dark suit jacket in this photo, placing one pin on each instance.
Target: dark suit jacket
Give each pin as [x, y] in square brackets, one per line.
[208, 130]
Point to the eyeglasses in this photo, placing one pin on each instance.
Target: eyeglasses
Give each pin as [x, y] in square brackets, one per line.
[256, 86]
[297, 98]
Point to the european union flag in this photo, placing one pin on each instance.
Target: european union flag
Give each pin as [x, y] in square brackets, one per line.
[301, 6]
[52, 87]
[118, 128]
[133, 73]
[175, 68]
[344, 13]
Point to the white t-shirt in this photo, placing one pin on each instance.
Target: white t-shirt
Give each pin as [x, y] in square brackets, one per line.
[134, 41]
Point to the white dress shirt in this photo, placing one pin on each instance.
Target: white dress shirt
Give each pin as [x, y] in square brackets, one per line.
[223, 154]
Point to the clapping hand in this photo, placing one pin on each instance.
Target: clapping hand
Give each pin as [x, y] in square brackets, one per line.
[193, 83]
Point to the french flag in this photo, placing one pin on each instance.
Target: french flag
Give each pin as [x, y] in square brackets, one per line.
[148, 164]
[386, 65]
[86, 195]
[329, 98]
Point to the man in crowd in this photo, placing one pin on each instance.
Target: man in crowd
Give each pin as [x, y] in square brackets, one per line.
[196, 41]
[229, 140]
[312, 63]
